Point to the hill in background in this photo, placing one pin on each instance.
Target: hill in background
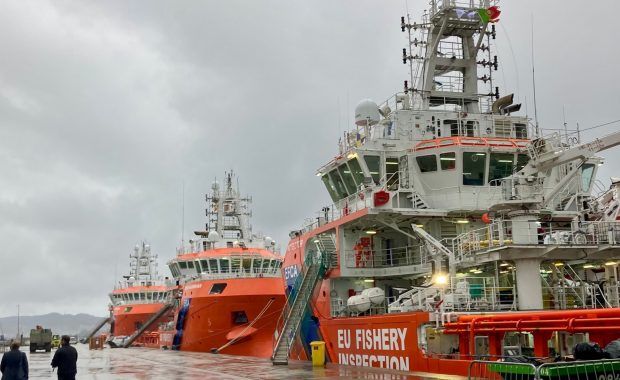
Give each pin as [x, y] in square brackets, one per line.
[70, 324]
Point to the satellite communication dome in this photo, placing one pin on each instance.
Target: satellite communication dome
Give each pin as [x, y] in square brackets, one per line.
[367, 113]
[213, 236]
[268, 241]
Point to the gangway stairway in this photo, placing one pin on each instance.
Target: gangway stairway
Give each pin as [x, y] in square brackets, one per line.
[96, 329]
[314, 270]
[169, 305]
[326, 243]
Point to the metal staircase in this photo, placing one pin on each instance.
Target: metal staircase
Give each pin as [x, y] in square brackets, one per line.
[314, 269]
[326, 243]
[128, 342]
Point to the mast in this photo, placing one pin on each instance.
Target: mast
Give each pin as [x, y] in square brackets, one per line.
[227, 212]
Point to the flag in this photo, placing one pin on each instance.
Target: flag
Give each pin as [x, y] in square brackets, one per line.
[484, 15]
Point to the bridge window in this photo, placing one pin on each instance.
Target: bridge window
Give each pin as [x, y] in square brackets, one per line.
[448, 161]
[391, 172]
[341, 189]
[225, 265]
[213, 265]
[235, 264]
[470, 128]
[473, 168]
[205, 266]
[427, 163]
[500, 166]
[373, 163]
[587, 171]
[183, 264]
[265, 265]
[347, 178]
[331, 189]
[522, 160]
[190, 265]
[356, 170]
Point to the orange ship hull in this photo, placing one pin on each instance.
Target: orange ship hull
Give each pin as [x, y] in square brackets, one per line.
[239, 321]
[129, 318]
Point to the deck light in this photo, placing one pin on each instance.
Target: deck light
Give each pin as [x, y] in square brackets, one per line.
[351, 155]
[611, 263]
[588, 266]
[369, 280]
[462, 221]
[317, 241]
[477, 272]
[504, 265]
[318, 174]
[440, 279]
[558, 264]
[420, 225]
[505, 161]
[371, 232]
[447, 159]
[473, 270]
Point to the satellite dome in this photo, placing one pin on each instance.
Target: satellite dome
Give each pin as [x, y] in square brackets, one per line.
[268, 241]
[367, 113]
[213, 236]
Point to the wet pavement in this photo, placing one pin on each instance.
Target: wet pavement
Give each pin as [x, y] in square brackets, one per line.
[144, 363]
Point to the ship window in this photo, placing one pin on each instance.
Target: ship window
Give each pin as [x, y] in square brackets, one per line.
[448, 161]
[149, 296]
[341, 190]
[500, 166]
[356, 170]
[373, 163]
[391, 172]
[331, 189]
[213, 266]
[256, 264]
[197, 266]
[205, 266]
[190, 265]
[347, 177]
[427, 163]
[247, 264]
[235, 263]
[274, 266]
[225, 265]
[473, 168]
[470, 128]
[587, 170]
[265, 265]
[239, 317]
[522, 160]
[182, 264]
[521, 131]
[217, 288]
[453, 125]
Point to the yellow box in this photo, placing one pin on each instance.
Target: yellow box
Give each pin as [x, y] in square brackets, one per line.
[318, 353]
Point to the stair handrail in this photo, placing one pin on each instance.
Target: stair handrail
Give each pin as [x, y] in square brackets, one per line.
[311, 259]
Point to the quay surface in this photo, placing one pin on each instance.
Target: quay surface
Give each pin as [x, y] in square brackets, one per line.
[143, 363]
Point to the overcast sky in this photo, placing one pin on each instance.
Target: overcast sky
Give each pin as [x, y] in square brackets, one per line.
[107, 108]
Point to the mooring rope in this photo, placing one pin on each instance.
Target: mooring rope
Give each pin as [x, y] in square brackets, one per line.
[272, 300]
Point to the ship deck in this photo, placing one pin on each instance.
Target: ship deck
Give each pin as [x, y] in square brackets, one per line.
[144, 363]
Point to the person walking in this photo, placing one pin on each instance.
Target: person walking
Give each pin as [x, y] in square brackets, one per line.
[65, 359]
[14, 365]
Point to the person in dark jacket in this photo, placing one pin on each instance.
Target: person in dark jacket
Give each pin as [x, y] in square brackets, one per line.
[14, 365]
[65, 359]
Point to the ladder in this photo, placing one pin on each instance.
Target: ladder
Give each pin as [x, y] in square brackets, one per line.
[327, 245]
[294, 314]
[149, 322]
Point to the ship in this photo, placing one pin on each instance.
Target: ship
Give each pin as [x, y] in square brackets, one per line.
[458, 231]
[141, 302]
[233, 291]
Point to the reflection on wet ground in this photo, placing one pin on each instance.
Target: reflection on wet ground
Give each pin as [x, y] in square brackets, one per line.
[143, 363]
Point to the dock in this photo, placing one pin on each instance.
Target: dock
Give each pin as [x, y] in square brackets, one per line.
[145, 363]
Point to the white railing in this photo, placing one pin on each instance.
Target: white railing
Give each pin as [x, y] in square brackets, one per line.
[500, 234]
[335, 211]
[386, 258]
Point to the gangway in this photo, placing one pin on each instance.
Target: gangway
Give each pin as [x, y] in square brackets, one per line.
[96, 329]
[314, 269]
[169, 305]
